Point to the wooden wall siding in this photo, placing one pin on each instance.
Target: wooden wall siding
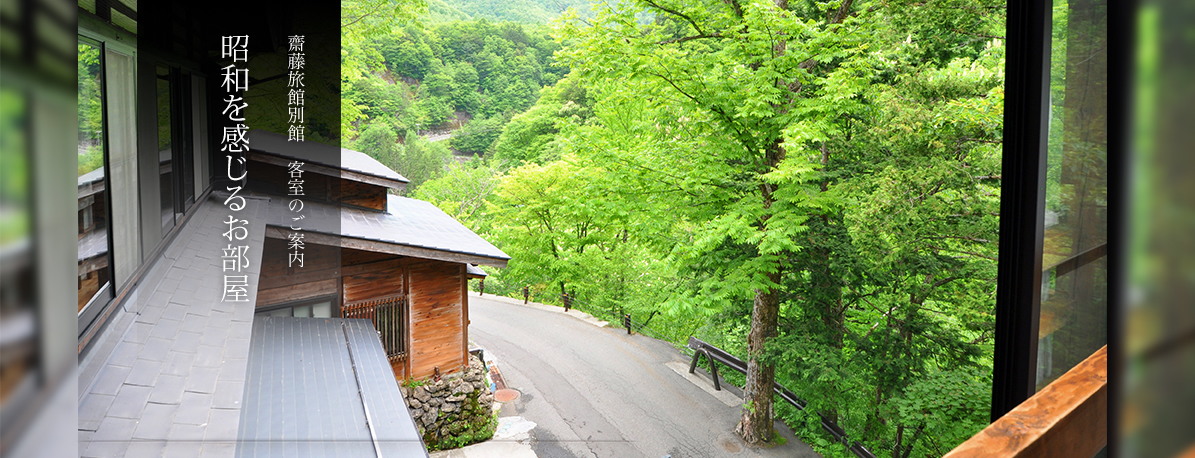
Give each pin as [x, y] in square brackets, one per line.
[374, 283]
[370, 275]
[400, 368]
[437, 334]
[464, 313]
[363, 195]
[297, 292]
[273, 179]
[316, 257]
[436, 292]
[350, 257]
[279, 283]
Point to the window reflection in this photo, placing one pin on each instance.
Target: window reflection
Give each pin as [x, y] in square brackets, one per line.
[1073, 321]
[92, 197]
[165, 149]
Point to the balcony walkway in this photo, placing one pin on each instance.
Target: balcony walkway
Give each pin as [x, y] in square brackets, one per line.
[166, 378]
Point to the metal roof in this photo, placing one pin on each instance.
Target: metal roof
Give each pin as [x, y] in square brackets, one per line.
[319, 153]
[407, 222]
[474, 271]
[322, 387]
[93, 244]
[91, 177]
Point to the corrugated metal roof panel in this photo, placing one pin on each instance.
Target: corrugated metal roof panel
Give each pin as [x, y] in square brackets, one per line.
[310, 384]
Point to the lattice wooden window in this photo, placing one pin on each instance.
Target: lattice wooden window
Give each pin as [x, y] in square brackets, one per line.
[389, 318]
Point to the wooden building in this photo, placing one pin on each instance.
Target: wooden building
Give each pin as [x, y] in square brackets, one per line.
[367, 254]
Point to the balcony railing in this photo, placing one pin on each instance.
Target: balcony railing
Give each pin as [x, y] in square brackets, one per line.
[1066, 419]
[389, 318]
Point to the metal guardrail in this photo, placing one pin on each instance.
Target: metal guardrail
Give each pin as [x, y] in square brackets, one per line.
[719, 355]
[616, 316]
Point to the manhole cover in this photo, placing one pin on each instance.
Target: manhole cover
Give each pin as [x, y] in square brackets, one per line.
[506, 395]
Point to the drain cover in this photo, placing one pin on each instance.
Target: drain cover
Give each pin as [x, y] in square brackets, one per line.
[506, 395]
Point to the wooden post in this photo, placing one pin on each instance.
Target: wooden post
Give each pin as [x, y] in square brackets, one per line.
[465, 311]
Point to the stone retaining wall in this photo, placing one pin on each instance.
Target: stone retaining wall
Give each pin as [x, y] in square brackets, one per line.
[455, 411]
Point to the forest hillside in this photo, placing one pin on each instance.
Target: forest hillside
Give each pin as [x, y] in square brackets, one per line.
[812, 186]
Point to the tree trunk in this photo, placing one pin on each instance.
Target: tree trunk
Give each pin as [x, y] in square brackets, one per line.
[755, 427]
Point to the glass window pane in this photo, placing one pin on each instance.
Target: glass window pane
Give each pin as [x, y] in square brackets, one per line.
[322, 310]
[121, 136]
[165, 151]
[199, 135]
[281, 312]
[183, 149]
[1073, 322]
[93, 269]
[303, 311]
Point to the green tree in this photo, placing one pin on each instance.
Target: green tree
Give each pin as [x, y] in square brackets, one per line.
[834, 184]
[763, 79]
[379, 142]
[556, 218]
[535, 135]
[407, 53]
[462, 192]
[360, 22]
[90, 110]
[464, 87]
[420, 160]
[478, 135]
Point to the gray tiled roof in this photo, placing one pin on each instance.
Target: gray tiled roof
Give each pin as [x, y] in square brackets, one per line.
[319, 153]
[322, 387]
[93, 244]
[418, 223]
[91, 177]
[407, 222]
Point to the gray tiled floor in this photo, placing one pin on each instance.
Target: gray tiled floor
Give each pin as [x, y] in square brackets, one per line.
[171, 380]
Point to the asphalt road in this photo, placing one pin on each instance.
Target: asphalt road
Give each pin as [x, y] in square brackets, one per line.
[596, 392]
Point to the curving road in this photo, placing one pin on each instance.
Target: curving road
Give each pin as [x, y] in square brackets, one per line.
[596, 392]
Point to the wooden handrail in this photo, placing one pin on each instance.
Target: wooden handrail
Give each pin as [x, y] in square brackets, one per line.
[1066, 419]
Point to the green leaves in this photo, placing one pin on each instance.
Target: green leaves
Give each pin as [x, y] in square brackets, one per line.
[697, 155]
[951, 405]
